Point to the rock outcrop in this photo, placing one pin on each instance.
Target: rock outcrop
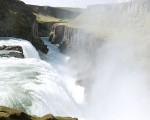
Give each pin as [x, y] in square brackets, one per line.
[44, 28]
[17, 20]
[57, 33]
[11, 51]
[47, 16]
[69, 38]
[14, 114]
[62, 35]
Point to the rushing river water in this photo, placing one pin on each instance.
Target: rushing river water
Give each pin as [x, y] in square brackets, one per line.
[35, 85]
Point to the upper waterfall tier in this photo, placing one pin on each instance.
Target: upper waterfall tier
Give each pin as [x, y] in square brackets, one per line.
[28, 50]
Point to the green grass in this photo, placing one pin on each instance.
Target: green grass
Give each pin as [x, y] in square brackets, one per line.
[44, 18]
[72, 9]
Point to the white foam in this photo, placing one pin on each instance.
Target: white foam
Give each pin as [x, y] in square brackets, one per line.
[33, 85]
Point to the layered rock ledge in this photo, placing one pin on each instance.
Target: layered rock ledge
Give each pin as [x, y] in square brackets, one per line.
[7, 113]
[11, 51]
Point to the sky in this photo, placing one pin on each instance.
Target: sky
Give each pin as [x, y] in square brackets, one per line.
[70, 3]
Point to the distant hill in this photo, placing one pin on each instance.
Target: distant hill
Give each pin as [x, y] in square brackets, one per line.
[51, 14]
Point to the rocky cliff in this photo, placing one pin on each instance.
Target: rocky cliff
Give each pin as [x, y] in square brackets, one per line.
[14, 114]
[69, 38]
[47, 16]
[17, 20]
[45, 27]
[81, 46]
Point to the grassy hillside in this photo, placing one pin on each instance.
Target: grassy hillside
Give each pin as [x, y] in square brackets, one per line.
[46, 18]
[54, 14]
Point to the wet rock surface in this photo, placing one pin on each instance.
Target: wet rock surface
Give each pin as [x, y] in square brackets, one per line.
[11, 51]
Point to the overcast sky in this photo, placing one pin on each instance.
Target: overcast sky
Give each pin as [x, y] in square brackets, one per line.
[70, 3]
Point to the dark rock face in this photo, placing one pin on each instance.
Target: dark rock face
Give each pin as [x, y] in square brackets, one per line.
[17, 20]
[11, 51]
[69, 38]
[14, 114]
[57, 33]
[44, 28]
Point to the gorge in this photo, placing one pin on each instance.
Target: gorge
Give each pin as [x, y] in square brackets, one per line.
[103, 73]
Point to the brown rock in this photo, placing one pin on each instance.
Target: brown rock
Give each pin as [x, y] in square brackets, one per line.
[7, 113]
[17, 20]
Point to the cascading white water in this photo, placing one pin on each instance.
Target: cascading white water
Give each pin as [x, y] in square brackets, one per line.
[60, 63]
[28, 50]
[34, 85]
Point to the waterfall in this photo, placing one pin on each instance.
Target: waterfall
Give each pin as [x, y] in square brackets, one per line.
[34, 85]
[28, 50]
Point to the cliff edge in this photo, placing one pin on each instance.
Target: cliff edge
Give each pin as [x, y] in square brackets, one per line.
[17, 20]
[47, 16]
